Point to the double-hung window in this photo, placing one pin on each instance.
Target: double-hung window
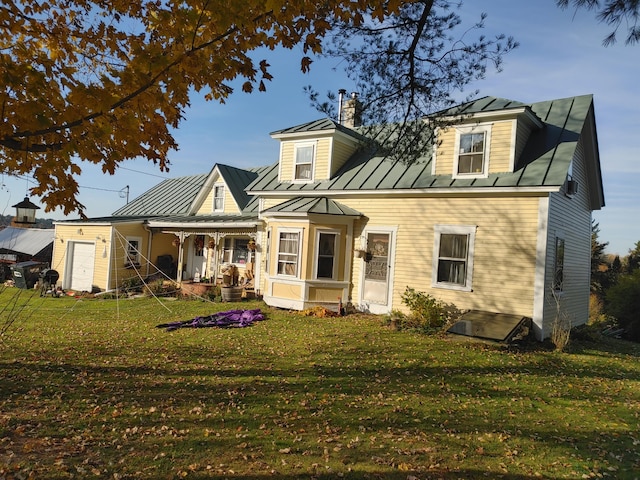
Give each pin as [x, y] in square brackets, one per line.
[288, 253]
[453, 256]
[326, 255]
[472, 152]
[218, 198]
[304, 159]
[133, 251]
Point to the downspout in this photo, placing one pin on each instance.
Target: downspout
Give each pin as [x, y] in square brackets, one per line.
[145, 225]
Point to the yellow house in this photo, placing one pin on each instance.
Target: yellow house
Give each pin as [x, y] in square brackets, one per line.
[496, 218]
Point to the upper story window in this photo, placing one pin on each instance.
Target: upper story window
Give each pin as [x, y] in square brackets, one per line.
[304, 159]
[453, 256]
[472, 151]
[218, 198]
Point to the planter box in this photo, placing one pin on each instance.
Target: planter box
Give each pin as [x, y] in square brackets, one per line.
[198, 289]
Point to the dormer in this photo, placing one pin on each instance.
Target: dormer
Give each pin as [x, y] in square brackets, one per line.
[223, 191]
[487, 136]
[314, 151]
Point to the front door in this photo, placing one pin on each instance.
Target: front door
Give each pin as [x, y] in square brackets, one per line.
[377, 272]
[199, 260]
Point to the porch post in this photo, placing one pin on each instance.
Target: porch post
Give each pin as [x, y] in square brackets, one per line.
[180, 256]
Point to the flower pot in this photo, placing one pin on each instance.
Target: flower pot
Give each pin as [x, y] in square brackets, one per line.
[231, 294]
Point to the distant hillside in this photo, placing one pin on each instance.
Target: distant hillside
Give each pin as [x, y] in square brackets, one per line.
[5, 221]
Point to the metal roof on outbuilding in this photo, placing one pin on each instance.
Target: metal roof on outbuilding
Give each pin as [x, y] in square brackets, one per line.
[29, 241]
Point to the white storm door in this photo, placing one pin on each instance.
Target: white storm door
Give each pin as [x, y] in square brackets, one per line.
[199, 259]
[82, 255]
[377, 272]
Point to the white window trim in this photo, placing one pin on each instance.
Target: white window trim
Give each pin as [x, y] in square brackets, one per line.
[233, 249]
[296, 146]
[213, 194]
[336, 254]
[138, 254]
[300, 232]
[480, 128]
[469, 230]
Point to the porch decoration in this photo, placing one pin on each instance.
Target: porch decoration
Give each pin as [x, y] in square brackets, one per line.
[251, 245]
[231, 294]
[198, 243]
[211, 244]
[175, 242]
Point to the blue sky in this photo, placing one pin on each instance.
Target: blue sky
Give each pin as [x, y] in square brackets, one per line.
[560, 55]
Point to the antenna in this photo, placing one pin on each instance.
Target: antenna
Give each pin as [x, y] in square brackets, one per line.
[124, 193]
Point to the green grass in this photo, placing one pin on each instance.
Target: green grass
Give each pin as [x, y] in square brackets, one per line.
[91, 389]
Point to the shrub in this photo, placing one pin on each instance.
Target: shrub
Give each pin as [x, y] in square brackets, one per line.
[427, 313]
[131, 284]
[623, 303]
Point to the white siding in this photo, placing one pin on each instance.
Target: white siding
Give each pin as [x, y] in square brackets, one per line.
[570, 218]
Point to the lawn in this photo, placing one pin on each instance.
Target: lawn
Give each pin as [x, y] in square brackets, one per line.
[91, 388]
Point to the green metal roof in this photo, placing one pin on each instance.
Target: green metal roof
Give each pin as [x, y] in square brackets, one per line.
[316, 126]
[170, 197]
[312, 205]
[237, 180]
[544, 162]
[210, 221]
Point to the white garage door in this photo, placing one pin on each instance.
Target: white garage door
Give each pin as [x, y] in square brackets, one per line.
[82, 258]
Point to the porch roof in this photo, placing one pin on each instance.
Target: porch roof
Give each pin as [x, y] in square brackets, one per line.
[311, 205]
[245, 220]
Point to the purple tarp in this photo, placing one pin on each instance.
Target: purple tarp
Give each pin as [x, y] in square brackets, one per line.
[228, 319]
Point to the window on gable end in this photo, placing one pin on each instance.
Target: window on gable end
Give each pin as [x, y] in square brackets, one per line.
[304, 160]
[472, 152]
[218, 198]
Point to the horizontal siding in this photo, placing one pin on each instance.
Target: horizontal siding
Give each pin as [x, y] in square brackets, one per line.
[230, 205]
[505, 247]
[501, 144]
[445, 151]
[570, 218]
[501, 147]
[82, 233]
[287, 160]
[323, 152]
[118, 253]
[342, 151]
